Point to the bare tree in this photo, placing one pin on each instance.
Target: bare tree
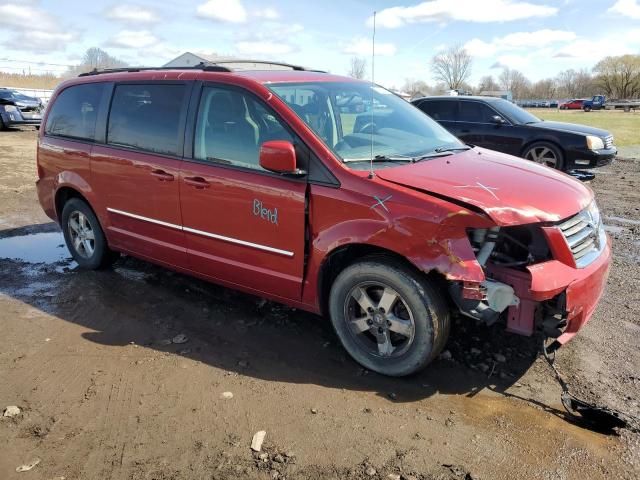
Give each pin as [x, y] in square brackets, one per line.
[358, 67]
[619, 76]
[545, 88]
[452, 66]
[95, 58]
[575, 84]
[488, 84]
[515, 82]
[416, 88]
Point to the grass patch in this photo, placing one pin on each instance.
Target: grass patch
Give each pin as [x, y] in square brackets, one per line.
[625, 127]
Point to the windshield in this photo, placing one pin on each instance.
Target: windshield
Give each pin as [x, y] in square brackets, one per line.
[514, 112]
[361, 121]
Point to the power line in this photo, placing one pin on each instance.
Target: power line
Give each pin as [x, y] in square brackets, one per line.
[35, 63]
[25, 69]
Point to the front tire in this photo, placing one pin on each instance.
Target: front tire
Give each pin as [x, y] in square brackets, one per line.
[545, 153]
[84, 236]
[389, 319]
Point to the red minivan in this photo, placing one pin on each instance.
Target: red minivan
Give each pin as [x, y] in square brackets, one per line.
[269, 182]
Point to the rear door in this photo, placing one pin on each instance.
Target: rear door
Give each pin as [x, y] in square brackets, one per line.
[136, 173]
[243, 225]
[442, 111]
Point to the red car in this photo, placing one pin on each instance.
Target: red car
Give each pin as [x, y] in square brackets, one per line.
[380, 220]
[572, 105]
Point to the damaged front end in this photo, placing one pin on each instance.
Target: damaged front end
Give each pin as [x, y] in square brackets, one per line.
[546, 277]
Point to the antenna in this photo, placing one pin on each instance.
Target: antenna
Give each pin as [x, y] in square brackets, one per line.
[373, 73]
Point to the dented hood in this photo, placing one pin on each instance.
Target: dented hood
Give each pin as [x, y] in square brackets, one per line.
[512, 191]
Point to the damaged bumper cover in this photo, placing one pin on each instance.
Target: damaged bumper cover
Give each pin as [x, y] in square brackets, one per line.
[543, 282]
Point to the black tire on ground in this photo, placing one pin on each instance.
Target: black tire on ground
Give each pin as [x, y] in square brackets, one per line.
[418, 299]
[586, 109]
[549, 150]
[84, 236]
[2, 125]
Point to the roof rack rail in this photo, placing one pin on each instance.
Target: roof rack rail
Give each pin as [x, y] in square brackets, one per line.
[205, 67]
[257, 62]
[212, 66]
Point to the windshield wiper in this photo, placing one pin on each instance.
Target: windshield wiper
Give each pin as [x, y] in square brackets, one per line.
[382, 158]
[451, 149]
[440, 152]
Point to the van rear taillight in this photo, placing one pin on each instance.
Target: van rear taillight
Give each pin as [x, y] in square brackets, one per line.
[40, 172]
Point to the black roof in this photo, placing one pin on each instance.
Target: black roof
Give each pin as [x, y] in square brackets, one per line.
[459, 97]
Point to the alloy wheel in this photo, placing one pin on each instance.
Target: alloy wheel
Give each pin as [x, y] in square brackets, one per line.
[379, 319]
[82, 235]
[542, 155]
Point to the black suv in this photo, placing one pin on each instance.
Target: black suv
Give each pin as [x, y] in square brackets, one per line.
[19, 109]
[500, 125]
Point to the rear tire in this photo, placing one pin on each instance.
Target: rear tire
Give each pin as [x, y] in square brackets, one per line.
[545, 153]
[84, 236]
[389, 319]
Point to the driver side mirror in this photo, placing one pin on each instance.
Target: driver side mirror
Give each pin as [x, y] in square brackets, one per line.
[497, 119]
[279, 156]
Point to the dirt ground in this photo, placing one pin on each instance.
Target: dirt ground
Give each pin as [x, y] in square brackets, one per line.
[105, 394]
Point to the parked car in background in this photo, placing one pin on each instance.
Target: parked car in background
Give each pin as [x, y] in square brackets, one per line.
[19, 109]
[502, 126]
[385, 223]
[575, 104]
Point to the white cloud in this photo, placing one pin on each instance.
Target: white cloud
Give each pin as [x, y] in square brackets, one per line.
[518, 40]
[132, 14]
[627, 8]
[267, 13]
[133, 39]
[253, 48]
[362, 46]
[35, 30]
[231, 11]
[17, 16]
[463, 10]
[40, 41]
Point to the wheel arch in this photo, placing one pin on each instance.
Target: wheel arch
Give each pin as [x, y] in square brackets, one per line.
[552, 141]
[66, 193]
[345, 255]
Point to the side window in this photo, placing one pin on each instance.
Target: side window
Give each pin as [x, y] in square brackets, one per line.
[147, 117]
[232, 125]
[475, 112]
[75, 111]
[439, 110]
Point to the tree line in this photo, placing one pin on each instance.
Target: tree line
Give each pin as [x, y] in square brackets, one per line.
[613, 76]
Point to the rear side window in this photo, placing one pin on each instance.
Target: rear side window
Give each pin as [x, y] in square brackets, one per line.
[147, 117]
[475, 112]
[75, 111]
[439, 110]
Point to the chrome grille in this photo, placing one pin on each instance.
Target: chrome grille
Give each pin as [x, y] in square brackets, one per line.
[585, 236]
[608, 141]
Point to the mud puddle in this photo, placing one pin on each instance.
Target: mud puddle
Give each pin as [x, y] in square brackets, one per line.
[46, 247]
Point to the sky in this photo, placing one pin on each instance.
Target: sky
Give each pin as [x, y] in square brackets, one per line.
[538, 37]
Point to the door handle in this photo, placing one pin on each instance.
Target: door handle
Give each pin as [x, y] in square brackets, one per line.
[196, 182]
[465, 131]
[162, 175]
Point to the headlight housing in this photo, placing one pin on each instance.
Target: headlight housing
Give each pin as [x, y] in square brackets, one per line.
[594, 213]
[594, 143]
[10, 108]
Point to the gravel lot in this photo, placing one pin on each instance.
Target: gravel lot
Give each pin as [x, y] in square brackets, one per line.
[107, 389]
